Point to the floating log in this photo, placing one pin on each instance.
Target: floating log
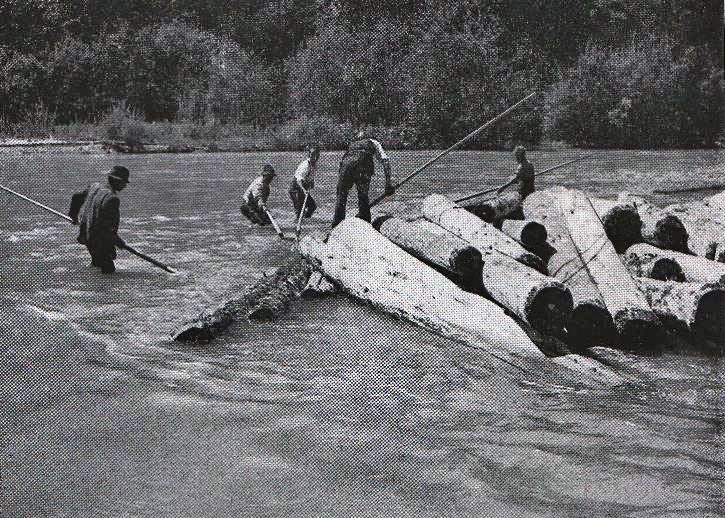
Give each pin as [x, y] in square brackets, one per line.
[695, 307]
[633, 318]
[652, 266]
[621, 222]
[442, 249]
[531, 234]
[590, 323]
[695, 268]
[318, 286]
[504, 206]
[660, 228]
[454, 218]
[268, 298]
[398, 284]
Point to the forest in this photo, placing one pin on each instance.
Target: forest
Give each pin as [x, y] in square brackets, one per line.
[610, 73]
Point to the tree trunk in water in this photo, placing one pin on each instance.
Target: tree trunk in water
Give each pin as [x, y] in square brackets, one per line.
[443, 249]
[652, 266]
[695, 307]
[454, 218]
[621, 222]
[695, 268]
[268, 298]
[660, 227]
[590, 324]
[635, 321]
[503, 206]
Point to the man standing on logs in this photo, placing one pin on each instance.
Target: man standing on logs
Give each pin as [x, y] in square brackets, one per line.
[302, 182]
[357, 168]
[254, 201]
[524, 174]
[97, 211]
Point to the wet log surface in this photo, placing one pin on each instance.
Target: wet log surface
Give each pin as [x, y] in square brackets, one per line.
[267, 299]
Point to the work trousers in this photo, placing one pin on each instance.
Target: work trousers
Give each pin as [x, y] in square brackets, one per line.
[297, 196]
[102, 258]
[356, 169]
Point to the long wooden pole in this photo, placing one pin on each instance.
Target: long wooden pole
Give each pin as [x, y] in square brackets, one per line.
[274, 224]
[494, 189]
[68, 218]
[298, 230]
[456, 145]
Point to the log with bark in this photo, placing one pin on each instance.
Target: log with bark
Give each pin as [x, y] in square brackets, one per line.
[454, 218]
[442, 249]
[652, 266]
[637, 325]
[694, 268]
[590, 324]
[266, 299]
[697, 309]
[400, 285]
[504, 206]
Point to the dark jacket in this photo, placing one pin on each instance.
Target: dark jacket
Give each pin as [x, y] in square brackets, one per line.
[98, 217]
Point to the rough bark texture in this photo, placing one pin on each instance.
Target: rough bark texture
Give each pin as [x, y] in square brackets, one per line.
[621, 222]
[695, 268]
[531, 234]
[454, 218]
[318, 286]
[268, 298]
[444, 250]
[504, 206]
[635, 321]
[590, 323]
[660, 227]
[652, 266]
[696, 308]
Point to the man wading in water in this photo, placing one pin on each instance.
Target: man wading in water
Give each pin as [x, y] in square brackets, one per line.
[524, 174]
[255, 197]
[302, 182]
[357, 168]
[97, 211]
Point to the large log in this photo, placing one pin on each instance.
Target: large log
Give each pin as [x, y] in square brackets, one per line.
[266, 299]
[695, 307]
[442, 249]
[538, 300]
[531, 234]
[636, 323]
[660, 227]
[652, 266]
[590, 324]
[504, 206]
[695, 268]
[402, 286]
[621, 222]
[454, 218]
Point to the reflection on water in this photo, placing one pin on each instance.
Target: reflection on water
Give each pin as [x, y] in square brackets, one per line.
[335, 409]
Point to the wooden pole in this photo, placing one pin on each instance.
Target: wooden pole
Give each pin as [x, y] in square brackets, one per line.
[455, 146]
[274, 224]
[545, 171]
[302, 215]
[68, 218]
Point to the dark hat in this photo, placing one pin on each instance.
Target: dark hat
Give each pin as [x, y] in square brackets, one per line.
[268, 170]
[519, 151]
[119, 172]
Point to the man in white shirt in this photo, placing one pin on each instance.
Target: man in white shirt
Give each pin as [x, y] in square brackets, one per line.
[254, 204]
[357, 168]
[303, 181]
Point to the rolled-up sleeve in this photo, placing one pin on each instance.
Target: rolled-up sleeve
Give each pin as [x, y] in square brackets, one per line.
[379, 151]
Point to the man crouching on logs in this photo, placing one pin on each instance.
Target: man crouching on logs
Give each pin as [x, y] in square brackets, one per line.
[357, 168]
[97, 210]
[524, 174]
[302, 182]
[254, 205]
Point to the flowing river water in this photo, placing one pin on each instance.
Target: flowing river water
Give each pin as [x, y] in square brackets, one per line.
[335, 409]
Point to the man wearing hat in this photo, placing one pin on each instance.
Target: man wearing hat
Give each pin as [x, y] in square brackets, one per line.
[357, 168]
[524, 174]
[255, 197]
[97, 211]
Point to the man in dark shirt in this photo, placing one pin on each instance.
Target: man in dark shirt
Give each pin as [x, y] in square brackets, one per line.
[524, 174]
[97, 211]
[357, 168]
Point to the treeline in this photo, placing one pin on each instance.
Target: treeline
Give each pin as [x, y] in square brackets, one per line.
[627, 73]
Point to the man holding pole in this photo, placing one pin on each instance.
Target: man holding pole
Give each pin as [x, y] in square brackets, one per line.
[524, 174]
[302, 182]
[357, 168]
[254, 201]
[97, 211]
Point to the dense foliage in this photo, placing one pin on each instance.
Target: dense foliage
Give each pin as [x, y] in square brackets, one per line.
[627, 73]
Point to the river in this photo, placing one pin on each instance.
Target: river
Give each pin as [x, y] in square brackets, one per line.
[334, 410]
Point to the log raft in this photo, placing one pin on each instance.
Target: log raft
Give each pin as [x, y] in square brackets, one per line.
[636, 323]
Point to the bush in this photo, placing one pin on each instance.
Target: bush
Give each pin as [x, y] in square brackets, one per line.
[123, 124]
